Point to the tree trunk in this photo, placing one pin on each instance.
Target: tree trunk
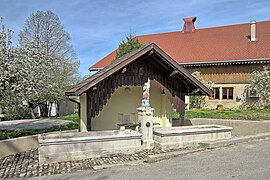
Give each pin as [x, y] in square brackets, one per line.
[50, 109]
[57, 108]
[33, 114]
[43, 109]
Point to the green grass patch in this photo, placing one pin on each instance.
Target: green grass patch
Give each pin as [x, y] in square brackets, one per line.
[73, 118]
[70, 117]
[258, 114]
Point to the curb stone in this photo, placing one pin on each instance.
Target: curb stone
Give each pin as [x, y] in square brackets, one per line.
[132, 163]
[168, 155]
[228, 142]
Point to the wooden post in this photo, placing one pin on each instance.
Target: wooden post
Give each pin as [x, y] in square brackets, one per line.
[79, 117]
[182, 119]
[88, 103]
[182, 113]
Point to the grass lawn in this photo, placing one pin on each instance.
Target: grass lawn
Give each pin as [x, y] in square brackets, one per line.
[257, 114]
[73, 118]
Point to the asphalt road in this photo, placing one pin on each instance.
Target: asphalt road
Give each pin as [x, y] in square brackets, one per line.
[245, 161]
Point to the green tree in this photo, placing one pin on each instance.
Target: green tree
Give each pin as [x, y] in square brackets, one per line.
[127, 46]
[260, 80]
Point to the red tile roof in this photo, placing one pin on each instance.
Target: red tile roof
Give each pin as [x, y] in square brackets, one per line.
[209, 44]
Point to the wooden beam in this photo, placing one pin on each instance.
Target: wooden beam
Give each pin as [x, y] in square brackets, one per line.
[173, 73]
[88, 110]
[158, 60]
[195, 91]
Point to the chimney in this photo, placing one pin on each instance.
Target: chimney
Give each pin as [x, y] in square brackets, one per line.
[189, 25]
[253, 30]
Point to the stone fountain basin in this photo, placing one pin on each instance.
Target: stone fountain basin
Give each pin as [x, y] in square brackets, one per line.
[69, 146]
[181, 137]
[69, 137]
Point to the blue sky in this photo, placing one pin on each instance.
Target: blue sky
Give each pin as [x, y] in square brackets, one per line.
[98, 26]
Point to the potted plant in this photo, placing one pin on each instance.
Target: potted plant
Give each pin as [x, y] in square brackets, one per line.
[219, 107]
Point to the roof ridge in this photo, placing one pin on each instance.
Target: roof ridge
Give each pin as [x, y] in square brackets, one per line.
[205, 28]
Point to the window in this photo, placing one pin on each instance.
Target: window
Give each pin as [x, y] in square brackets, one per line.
[227, 93]
[215, 93]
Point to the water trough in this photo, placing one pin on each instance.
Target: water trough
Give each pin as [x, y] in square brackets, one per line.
[58, 147]
[181, 137]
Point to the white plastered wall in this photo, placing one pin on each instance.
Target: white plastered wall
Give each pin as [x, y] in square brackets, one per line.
[83, 112]
[122, 105]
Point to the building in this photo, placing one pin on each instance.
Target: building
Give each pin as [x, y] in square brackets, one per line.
[110, 98]
[225, 55]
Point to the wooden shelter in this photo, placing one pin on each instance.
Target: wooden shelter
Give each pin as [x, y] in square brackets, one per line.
[134, 69]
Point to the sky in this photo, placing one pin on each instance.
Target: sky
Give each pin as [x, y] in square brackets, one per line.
[98, 26]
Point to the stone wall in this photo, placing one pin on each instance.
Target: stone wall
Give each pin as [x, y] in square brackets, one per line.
[240, 127]
[17, 145]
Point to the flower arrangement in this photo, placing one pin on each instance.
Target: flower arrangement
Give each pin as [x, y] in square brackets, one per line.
[219, 106]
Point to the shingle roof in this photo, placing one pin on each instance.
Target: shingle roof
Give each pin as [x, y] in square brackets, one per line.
[209, 44]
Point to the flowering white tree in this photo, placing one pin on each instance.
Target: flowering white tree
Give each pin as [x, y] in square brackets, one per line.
[23, 75]
[5, 57]
[30, 77]
[45, 31]
[260, 80]
[199, 101]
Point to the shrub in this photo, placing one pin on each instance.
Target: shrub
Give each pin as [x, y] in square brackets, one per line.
[267, 106]
[197, 102]
[17, 112]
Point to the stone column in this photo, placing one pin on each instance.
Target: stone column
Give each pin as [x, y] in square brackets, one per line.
[145, 118]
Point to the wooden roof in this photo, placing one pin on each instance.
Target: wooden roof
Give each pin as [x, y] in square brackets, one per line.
[119, 65]
[209, 45]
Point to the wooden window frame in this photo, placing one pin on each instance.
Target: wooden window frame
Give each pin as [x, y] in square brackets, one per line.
[214, 94]
[227, 93]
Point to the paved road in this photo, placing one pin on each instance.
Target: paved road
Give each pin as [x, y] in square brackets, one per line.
[31, 124]
[245, 161]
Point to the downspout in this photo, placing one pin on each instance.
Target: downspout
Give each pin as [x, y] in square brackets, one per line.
[79, 112]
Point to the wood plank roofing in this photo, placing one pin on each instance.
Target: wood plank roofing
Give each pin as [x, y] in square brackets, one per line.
[134, 56]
